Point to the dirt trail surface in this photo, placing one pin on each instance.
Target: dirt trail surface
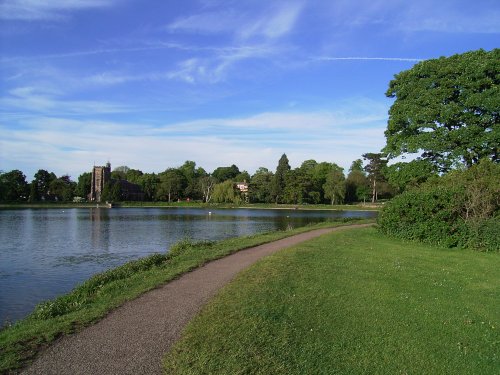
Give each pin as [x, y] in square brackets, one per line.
[134, 338]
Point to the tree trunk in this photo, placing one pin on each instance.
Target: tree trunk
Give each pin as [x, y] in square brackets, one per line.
[374, 191]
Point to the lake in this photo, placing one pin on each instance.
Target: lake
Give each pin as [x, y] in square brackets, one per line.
[46, 252]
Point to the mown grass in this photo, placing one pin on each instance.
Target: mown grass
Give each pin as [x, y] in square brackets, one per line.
[352, 302]
[103, 292]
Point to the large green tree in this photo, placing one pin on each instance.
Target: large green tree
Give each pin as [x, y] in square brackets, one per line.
[447, 109]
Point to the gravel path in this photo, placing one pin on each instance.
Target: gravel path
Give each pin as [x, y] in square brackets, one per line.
[134, 338]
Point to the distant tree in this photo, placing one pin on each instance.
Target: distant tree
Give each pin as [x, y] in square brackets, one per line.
[375, 169]
[207, 184]
[356, 165]
[311, 192]
[222, 174]
[447, 108]
[83, 186]
[224, 192]
[149, 183]
[357, 184]
[120, 173]
[334, 186]
[134, 176]
[260, 186]
[63, 189]
[242, 177]
[13, 186]
[279, 180]
[295, 186]
[170, 185]
[41, 189]
[192, 174]
[106, 192]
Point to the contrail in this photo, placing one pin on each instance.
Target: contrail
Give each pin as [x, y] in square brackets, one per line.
[326, 58]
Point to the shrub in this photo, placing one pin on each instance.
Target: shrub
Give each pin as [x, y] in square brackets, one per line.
[459, 209]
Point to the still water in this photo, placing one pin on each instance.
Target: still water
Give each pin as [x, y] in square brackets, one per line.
[47, 252]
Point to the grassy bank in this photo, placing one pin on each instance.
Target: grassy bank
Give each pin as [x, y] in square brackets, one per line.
[352, 302]
[93, 299]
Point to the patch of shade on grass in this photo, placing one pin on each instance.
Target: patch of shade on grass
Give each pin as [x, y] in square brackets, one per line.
[351, 302]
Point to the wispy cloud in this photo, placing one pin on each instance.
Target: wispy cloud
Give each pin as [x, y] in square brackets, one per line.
[34, 100]
[32, 10]
[214, 68]
[271, 23]
[329, 58]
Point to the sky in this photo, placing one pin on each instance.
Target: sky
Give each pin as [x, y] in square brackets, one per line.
[151, 84]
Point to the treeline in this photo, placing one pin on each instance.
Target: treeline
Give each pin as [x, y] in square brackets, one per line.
[311, 183]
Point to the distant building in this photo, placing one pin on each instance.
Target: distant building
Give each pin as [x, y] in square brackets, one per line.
[102, 175]
[242, 186]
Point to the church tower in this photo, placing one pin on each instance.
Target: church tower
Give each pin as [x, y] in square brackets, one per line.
[100, 175]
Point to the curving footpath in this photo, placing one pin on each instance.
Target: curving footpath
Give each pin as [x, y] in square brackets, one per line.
[134, 338]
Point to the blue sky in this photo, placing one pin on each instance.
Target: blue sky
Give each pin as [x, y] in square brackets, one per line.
[152, 84]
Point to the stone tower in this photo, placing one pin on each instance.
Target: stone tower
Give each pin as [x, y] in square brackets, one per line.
[100, 175]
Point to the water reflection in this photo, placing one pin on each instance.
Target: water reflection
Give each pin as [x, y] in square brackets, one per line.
[99, 230]
[45, 253]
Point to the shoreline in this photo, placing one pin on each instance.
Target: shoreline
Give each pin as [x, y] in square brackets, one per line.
[257, 206]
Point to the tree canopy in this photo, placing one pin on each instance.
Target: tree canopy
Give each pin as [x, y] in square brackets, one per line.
[447, 109]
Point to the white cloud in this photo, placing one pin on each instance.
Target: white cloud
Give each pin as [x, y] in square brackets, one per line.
[31, 10]
[278, 24]
[270, 22]
[329, 58]
[65, 145]
[33, 99]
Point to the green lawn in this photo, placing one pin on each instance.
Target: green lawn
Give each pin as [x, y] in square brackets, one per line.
[353, 302]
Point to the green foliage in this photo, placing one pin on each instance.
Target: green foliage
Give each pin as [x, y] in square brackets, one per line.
[62, 189]
[84, 184]
[447, 107]
[459, 209]
[279, 179]
[375, 167]
[430, 214]
[13, 186]
[260, 186]
[357, 186]
[335, 187]
[170, 185]
[225, 192]
[41, 183]
[222, 174]
[407, 175]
